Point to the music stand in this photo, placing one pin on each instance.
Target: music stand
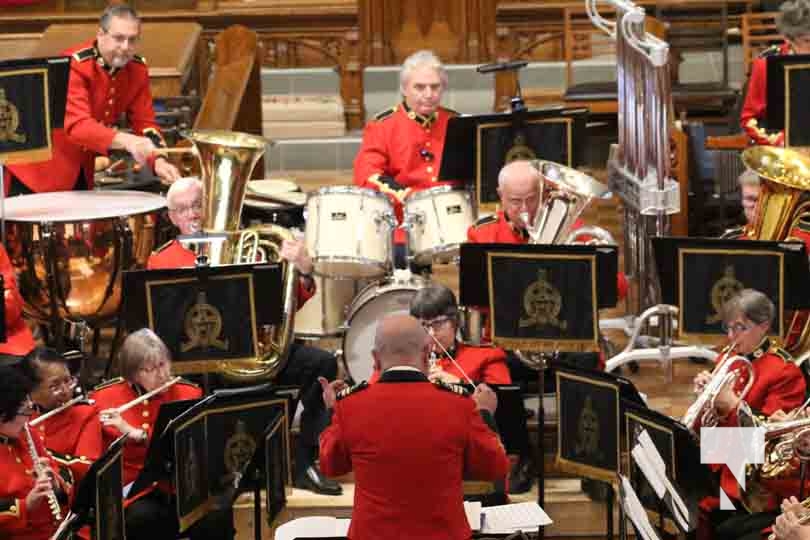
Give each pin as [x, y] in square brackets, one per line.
[98, 499]
[788, 83]
[30, 90]
[206, 315]
[477, 146]
[718, 269]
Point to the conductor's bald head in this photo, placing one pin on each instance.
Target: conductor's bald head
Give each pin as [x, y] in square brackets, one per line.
[400, 341]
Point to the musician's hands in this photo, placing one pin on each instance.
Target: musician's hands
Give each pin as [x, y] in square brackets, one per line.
[726, 401]
[793, 506]
[485, 398]
[38, 494]
[778, 416]
[296, 252]
[438, 374]
[330, 390]
[166, 171]
[141, 148]
[113, 418]
[788, 527]
[701, 380]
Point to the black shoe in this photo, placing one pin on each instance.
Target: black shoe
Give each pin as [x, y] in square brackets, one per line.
[314, 480]
[521, 478]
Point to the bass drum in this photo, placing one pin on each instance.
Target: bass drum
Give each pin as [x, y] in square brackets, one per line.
[386, 297]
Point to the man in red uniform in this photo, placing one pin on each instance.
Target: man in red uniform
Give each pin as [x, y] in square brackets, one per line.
[305, 363]
[794, 24]
[778, 387]
[402, 147]
[408, 479]
[25, 513]
[73, 435]
[19, 340]
[107, 79]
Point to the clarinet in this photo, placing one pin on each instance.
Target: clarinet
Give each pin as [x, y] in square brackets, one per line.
[40, 472]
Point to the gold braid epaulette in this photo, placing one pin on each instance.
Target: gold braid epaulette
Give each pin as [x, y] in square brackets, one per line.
[111, 382]
[455, 388]
[346, 392]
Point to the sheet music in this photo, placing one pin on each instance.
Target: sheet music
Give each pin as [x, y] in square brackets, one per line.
[473, 511]
[509, 518]
[313, 527]
[634, 510]
[657, 468]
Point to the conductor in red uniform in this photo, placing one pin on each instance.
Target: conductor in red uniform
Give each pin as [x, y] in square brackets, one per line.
[107, 79]
[72, 435]
[408, 479]
[793, 23]
[402, 146]
[24, 510]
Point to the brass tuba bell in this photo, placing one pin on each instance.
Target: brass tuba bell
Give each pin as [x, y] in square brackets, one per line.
[227, 160]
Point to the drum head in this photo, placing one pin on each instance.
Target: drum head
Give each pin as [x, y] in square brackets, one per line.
[70, 206]
[372, 304]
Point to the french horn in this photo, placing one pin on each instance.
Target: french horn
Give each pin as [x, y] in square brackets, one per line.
[227, 160]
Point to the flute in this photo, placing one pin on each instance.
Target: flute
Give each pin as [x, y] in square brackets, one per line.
[39, 471]
[49, 414]
[140, 399]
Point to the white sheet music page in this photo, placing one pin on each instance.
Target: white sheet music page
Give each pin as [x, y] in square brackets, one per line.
[513, 517]
[473, 511]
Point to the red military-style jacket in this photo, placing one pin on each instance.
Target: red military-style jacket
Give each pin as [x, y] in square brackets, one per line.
[408, 479]
[98, 95]
[405, 146]
[173, 255]
[778, 384]
[754, 109]
[73, 437]
[497, 229]
[481, 364]
[19, 340]
[118, 392]
[17, 522]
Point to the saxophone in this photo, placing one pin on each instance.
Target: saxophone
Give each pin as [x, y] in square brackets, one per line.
[40, 471]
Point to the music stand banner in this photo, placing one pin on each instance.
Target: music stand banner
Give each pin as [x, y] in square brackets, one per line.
[276, 469]
[716, 275]
[588, 427]
[190, 472]
[797, 113]
[543, 301]
[25, 126]
[109, 523]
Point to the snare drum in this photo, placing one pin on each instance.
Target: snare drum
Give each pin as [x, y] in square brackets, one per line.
[386, 297]
[348, 232]
[437, 220]
[75, 244]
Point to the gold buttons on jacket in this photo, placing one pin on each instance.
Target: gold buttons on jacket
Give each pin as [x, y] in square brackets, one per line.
[145, 425]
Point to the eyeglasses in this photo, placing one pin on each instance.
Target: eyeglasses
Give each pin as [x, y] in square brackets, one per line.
[64, 386]
[154, 368]
[435, 323]
[187, 209]
[736, 328]
[121, 39]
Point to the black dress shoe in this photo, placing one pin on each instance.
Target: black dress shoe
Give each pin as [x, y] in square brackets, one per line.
[314, 480]
[520, 477]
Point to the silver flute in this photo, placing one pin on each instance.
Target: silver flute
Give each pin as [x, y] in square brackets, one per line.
[40, 471]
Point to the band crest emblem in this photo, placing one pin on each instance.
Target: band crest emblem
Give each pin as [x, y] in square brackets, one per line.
[542, 303]
[587, 443]
[239, 449]
[203, 325]
[722, 291]
[519, 150]
[9, 120]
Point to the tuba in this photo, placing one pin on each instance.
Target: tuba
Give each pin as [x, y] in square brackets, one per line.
[227, 160]
[783, 199]
[564, 195]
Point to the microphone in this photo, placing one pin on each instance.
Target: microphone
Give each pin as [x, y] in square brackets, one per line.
[503, 66]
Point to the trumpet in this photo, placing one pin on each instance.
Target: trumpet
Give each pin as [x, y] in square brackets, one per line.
[804, 518]
[702, 412]
[40, 471]
[78, 399]
[140, 399]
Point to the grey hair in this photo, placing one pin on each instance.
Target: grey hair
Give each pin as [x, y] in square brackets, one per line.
[180, 186]
[503, 175]
[752, 304]
[118, 10]
[138, 347]
[423, 58]
[794, 18]
[749, 178]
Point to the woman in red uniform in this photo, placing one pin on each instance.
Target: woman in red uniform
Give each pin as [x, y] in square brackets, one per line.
[19, 340]
[25, 512]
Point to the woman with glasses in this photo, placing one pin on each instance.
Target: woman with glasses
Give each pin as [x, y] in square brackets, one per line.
[62, 431]
[778, 387]
[24, 510]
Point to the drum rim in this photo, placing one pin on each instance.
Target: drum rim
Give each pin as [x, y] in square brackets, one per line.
[427, 193]
[356, 190]
[89, 195]
[433, 252]
[344, 259]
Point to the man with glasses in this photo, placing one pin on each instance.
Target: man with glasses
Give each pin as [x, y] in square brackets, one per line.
[185, 201]
[24, 510]
[402, 146]
[71, 435]
[107, 80]
[778, 388]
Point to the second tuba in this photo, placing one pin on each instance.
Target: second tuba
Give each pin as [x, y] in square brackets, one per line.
[227, 160]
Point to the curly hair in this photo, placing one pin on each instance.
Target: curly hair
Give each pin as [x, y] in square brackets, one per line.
[794, 18]
[14, 389]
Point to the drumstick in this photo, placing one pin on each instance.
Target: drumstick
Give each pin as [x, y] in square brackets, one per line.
[176, 150]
